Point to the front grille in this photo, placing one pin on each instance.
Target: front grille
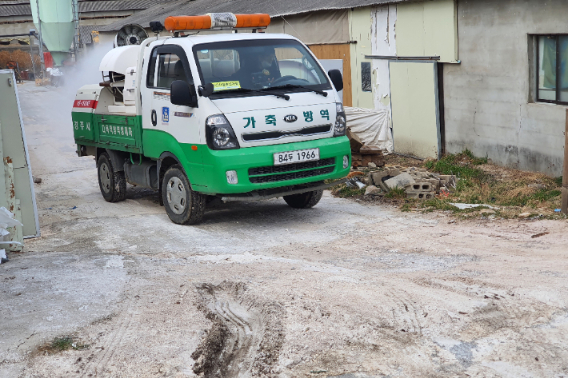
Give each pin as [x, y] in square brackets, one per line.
[291, 176]
[281, 134]
[291, 167]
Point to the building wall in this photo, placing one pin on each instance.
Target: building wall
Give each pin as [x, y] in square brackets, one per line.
[428, 28]
[383, 36]
[487, 97]
[360, 31]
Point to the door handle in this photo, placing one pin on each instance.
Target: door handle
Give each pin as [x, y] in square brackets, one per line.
[154, 118]
[103, 119]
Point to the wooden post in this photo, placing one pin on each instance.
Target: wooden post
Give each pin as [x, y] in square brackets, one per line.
[565, 173]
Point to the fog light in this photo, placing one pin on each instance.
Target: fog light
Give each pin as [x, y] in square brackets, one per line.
[345, 162]
[232, 177]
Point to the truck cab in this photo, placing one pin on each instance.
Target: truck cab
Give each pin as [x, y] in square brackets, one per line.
[239, 116]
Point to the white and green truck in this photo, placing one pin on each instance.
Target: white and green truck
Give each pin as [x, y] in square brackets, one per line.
[233, 115]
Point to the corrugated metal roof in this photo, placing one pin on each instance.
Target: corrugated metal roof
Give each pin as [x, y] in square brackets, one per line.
[18, 8]
[85, 32]
[274, 8]
[15, 10]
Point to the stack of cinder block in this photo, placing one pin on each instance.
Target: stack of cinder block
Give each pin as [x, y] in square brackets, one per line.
[418, 183]
[362, 154]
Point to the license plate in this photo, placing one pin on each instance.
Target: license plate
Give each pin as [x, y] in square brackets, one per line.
[291, 157]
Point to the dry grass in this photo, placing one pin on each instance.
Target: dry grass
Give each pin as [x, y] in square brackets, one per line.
[21, 57]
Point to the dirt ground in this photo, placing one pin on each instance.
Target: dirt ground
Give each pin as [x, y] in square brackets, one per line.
[347, 289]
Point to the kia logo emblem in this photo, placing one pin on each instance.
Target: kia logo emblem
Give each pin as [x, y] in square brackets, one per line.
[290, 118]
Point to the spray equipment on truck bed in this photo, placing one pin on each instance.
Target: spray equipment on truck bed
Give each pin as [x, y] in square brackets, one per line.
[119, 77]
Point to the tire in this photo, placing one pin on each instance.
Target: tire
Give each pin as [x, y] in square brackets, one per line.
[304, 200]
[111, 183]
[183, 205]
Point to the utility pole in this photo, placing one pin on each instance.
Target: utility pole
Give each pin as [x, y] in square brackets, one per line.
[77, 36]
[40, 42]
[32, 32]
[565, 173]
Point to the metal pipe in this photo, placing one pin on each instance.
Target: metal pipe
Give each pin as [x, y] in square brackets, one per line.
[384, 57]
[565, 173]
[40, 42]
[32, 56]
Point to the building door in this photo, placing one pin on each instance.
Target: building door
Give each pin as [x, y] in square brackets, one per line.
[415, 109]
[338, 51]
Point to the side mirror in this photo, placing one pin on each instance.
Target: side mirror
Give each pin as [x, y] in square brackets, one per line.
[336, 79]
[181, 93]
[206, 90]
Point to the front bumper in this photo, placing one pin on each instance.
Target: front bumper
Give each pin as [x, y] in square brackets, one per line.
[217, 163]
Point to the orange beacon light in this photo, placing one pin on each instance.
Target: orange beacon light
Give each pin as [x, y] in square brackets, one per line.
[216, 21]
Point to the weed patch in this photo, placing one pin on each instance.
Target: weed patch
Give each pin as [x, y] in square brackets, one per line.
[60, 344]
[396, 193]
[479, 182]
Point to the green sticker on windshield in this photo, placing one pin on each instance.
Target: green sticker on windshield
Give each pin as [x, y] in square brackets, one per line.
[226, 85]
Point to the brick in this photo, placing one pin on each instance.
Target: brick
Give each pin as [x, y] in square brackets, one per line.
[376, 159]
[370, 150]
[401, 181]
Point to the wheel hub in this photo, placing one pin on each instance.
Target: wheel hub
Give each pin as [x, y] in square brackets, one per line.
[176, 195]
[104, 174]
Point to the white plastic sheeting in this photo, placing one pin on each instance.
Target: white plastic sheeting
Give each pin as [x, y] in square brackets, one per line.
[7, 221]
[372, 126]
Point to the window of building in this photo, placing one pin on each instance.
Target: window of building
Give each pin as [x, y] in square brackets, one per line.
[366, 76]
[552, 68]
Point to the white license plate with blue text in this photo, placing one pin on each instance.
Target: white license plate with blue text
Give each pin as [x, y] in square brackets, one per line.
[300, 156]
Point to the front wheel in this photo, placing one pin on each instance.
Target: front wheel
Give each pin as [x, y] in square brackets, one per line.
[304, 200]
[183, 205]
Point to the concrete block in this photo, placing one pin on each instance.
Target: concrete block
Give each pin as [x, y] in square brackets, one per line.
[420, 195]
[377, 179]
[372, 191]
[401, 181]
[393, 171]
[422, 186]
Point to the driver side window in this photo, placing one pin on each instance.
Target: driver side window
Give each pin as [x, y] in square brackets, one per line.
[170, 69]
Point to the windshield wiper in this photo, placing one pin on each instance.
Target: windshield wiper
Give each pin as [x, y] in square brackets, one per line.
[245, 90]
[292, 86]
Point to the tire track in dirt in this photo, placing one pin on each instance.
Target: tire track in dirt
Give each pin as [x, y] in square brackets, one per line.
[96, 365]
[245, 338]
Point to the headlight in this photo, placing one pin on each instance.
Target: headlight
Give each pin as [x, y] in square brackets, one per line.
[340, 121]
[220, 134]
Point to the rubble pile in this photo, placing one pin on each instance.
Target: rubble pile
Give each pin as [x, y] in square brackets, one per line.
[363, 155]
[418, 183]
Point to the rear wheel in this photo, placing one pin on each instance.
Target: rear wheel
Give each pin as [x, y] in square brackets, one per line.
[111, 183]
[304, 200]
[183, 205]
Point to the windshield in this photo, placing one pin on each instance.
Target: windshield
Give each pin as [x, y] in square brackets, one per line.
[234, 67]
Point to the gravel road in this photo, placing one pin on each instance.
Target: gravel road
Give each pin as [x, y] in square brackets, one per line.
[262, 290]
